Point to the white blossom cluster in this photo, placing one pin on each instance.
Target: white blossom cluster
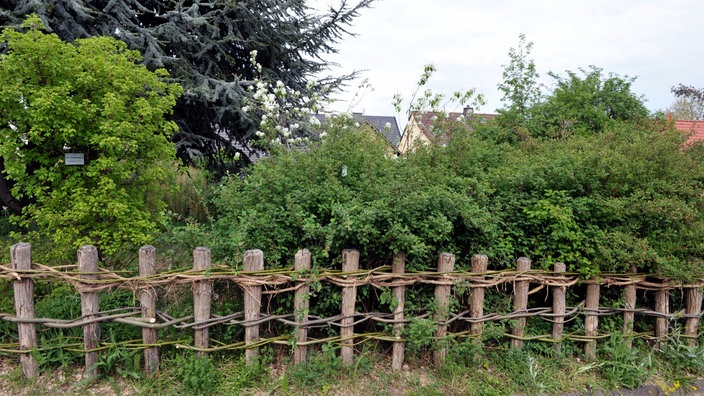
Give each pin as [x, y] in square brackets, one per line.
[282, 123]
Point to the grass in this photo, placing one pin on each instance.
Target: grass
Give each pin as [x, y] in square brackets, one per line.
[493, 371]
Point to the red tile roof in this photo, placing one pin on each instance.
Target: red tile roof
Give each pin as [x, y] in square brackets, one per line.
[695, 129]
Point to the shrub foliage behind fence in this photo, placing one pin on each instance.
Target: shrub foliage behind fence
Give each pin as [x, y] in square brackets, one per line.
[255, 282]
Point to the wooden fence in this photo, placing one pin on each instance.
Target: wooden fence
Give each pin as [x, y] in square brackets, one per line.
[255, 281]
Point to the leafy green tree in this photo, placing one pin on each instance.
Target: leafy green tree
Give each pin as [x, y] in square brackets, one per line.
[206, 47]
[520, 85]
[92, 97]
[586, 104]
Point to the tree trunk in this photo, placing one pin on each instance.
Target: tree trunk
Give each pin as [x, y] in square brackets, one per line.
[6, 196]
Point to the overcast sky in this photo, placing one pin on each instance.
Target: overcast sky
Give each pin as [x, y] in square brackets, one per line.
[659, 42]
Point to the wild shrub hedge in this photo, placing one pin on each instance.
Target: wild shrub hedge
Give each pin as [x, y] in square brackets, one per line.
[600, 203]
[379, 204]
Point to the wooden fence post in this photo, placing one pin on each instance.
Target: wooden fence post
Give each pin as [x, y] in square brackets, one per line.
[591, 322]
[202, 295]
[21, 256]
[629, 296]
[398, 268]
[301, 302]
[253, 261]
[662, 306]
[476, 303]
[446, 263]
[558, 308]
[520, 302]
[147, 303]
[693, 300]
[350, 263]
[88, 264]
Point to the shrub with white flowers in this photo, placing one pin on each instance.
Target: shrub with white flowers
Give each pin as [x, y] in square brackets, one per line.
[284, 114]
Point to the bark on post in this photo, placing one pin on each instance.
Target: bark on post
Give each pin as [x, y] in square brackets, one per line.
[202, 295]
[21, 256]
[88, 264]
[558, 308]
[629, 296]
[476, 303]
[147, 303]
[520, 303]
[662, 306]
[397, 357]
[446, 263]
[350, 263]
[253, 261]
[693, 299]
[301, 302]
[591, 321]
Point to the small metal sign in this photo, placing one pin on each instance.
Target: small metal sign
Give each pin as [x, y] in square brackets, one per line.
[74, 159]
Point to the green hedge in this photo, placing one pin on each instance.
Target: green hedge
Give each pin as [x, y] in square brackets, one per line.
[600, 203]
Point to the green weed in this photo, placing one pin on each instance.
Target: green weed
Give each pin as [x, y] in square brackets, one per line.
[197, 374]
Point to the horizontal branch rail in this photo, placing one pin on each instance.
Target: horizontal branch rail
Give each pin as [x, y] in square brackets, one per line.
[376, 277]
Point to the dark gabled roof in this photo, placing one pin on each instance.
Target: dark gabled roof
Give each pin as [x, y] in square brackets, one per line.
[386, 125]
[392, 133]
